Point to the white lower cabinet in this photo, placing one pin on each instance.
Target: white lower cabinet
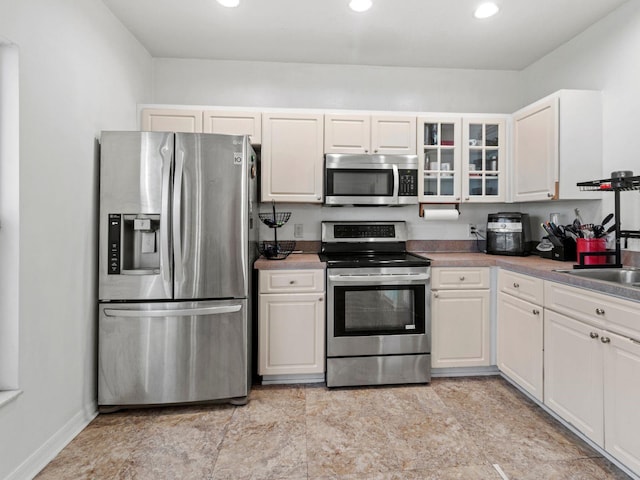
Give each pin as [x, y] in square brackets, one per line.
[592, 367]
[291, 330]
[460, 327]
[622, 399]
[573, 373]
[520, 327]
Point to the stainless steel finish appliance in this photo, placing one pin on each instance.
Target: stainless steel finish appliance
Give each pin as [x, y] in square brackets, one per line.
[176, 247]
[353, 179]
[378, 305]
[508, 233]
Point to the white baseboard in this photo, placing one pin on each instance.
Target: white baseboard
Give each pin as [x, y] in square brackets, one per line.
[54, 445]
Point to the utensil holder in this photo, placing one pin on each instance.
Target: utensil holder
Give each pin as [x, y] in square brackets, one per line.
[592, 251]
[566, 252]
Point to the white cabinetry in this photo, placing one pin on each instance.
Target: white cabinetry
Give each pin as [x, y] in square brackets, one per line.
[520, 330]
[233, 123]
[462, 159]
[460, 326]
[291, 327]
[557, 143]
[592, 366]
[573, 373]
[292, 157]
[230, 122]
[171, 120]
[383, 134]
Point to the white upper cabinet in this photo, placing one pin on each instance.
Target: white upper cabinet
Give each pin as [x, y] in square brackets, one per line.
[557, 143]
[234, 123]
[383, 134]
[171, 120]
[484, 161]
[292, 158]
[440, 164]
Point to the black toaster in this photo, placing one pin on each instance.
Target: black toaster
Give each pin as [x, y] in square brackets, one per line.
[508, 233]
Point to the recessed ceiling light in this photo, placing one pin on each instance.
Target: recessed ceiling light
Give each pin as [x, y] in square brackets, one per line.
[360, 5]
[229, 3]
[486, 10]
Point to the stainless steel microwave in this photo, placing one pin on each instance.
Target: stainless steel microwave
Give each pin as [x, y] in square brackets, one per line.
[354, 179]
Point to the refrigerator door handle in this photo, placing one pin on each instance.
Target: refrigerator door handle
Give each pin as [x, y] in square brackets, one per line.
[115, 312]
[165, 234]
[177, 217]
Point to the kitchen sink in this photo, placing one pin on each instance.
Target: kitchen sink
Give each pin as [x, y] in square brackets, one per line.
[622, 276]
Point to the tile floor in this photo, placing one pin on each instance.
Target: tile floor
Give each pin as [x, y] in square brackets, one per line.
[450, 429]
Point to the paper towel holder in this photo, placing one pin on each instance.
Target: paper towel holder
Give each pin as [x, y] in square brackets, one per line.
[423, 205]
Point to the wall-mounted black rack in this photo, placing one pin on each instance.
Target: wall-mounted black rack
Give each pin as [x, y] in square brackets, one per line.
[615, 185]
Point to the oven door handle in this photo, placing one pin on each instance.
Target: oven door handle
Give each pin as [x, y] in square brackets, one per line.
[411, 277]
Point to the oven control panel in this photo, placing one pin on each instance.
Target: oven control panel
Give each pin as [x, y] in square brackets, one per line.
[364, 231]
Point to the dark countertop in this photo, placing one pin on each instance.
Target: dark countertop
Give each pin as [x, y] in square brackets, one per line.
[531, 265]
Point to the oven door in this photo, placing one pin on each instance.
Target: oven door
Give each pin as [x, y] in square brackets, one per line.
[378, 311]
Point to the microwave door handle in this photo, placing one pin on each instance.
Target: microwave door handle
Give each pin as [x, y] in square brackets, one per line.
[396, 183]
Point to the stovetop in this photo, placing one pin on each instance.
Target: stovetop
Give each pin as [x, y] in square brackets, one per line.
[355, 260]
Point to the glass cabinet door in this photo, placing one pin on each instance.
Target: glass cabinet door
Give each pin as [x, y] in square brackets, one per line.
[484, 160]
[440, 163]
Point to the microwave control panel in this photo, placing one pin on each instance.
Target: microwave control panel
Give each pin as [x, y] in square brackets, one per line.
[408, 183]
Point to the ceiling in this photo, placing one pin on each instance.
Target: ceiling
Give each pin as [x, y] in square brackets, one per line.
[410, 33]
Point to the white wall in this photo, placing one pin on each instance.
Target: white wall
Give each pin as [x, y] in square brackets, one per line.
[80, 72]
[604, 57]
[285, 85]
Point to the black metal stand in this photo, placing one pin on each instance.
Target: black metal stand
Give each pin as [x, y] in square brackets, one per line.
[615, 186]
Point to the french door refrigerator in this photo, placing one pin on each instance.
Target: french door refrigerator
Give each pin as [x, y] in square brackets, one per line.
[176, 248]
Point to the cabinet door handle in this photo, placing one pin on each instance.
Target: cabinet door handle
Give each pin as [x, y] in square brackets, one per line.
[593, 335]
[536, 311]
[605, 339]
[599, 311]
[516, 285]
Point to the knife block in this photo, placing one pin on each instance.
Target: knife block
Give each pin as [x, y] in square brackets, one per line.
[566, 252]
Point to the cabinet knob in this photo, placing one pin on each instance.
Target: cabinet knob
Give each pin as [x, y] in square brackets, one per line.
[375, 151]
[435, 294]
[516, 285]
[320, 299]
[462, 278]
[466, 198]
[291, 282]
[605, 339]
[536, 311]
[599, 311]
[549, 194]
[593, 335]
[366, 151]
[457, 198]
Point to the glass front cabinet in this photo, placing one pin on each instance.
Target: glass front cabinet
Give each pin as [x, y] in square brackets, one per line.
[483, 160]
[440, 159]
[461, 159]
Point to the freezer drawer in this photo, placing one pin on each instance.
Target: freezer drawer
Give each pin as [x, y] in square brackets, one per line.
[173, 352]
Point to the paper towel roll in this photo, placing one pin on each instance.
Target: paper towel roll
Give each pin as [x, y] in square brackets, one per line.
[439, 215]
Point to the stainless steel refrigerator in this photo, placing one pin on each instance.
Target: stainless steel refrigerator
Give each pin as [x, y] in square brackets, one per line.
[176, 249]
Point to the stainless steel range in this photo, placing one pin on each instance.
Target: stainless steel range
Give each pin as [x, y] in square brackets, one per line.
[378, 305]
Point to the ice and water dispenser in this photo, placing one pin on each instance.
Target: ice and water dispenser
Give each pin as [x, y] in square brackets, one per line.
[134, 244]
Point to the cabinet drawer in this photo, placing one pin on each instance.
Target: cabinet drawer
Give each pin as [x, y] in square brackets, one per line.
[615, 314]
[460, 278]
[299, 281]
[521, 286]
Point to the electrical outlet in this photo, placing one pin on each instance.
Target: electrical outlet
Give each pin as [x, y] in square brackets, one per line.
[298, 231]
[473, 230]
